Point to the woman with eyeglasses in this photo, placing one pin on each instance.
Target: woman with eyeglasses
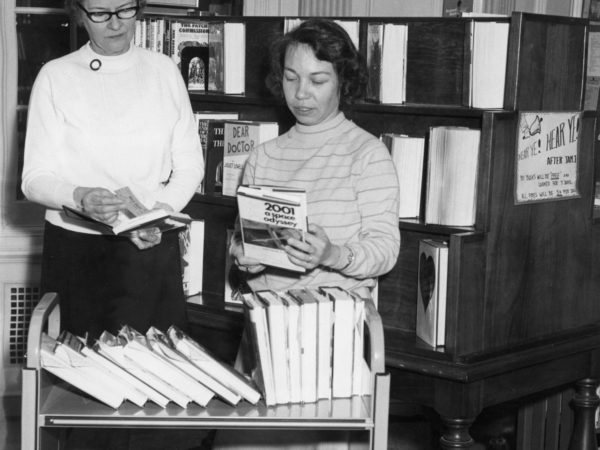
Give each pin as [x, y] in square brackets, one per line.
[107, 116]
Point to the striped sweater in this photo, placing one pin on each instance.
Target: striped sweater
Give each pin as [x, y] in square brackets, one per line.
[352, 192]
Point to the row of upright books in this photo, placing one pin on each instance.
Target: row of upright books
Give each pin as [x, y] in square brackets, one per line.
[472, 58]
[390, 63]
[303, 345]
[226, 143]
[210, 54]
[132, 367]
[441, 169]
[298, 346]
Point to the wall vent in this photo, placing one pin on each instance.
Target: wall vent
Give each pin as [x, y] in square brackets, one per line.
[20, 301]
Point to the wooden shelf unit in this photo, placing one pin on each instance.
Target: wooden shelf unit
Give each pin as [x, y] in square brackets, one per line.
[523, 281]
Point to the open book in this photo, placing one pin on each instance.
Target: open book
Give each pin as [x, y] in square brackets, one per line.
[268, 217]
[154, 218]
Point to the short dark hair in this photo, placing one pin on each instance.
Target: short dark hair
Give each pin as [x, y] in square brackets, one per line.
[330, 42]
[72, 9]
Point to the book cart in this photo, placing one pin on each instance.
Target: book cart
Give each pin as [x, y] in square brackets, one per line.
[50, 405]
[523, 316]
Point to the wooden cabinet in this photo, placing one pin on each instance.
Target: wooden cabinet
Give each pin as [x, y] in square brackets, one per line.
[523, 314]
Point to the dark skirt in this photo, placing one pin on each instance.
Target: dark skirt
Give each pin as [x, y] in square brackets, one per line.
[105, 282]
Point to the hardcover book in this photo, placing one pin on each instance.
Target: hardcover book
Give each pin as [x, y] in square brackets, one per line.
[212, 183]
[191, 248]
[343, 339]
[268, 217]
[308, 341]
[452, 176]
[62, 367]
[255, 349]
[186, 34]
[239, 138]
[209, 364]
[431, 291]
[227, 57]
[277, 318]
[113, 348]
[386, 62]
[408, 155]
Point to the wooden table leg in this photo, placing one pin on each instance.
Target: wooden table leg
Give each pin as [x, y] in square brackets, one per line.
[584, 404]
[456, 434]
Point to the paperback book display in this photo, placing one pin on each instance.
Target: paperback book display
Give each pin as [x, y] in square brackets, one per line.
[239, 138]
[323, 374]
[268, 217]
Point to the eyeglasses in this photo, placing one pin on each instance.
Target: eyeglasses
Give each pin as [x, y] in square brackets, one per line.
[105, 16]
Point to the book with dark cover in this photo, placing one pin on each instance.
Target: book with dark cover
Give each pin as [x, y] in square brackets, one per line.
[213, 165]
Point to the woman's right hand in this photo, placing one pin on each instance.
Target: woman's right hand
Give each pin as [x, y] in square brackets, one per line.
[249, 265]
[100, 203]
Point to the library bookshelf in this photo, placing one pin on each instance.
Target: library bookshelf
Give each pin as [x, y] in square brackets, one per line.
[522, 312]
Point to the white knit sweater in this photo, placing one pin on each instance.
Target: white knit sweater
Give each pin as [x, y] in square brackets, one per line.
[130, 123]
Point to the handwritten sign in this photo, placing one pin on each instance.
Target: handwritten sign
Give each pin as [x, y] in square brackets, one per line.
[547, 155]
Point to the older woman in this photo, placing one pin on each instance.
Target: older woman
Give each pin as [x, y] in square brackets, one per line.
[351, 185]
[107, 116]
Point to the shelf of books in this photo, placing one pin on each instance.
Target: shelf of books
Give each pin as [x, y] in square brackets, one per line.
[521, 172]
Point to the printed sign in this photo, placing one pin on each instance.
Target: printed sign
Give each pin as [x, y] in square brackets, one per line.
[547, 156]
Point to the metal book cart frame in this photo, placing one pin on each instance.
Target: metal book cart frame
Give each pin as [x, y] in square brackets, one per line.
[50, 405]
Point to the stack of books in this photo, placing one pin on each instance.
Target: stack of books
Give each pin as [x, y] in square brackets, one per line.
[303, 345]
[159, 367]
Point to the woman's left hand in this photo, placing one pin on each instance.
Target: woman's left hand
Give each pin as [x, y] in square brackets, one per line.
[315, 250]
[146, 238]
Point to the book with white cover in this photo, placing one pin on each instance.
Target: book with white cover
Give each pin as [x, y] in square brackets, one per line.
[177, 370]
[452, 176]
[74, 349]
[112, 348]
[308, 338]
[277, 316]
[324, 343]
[386, 62]
[256, 348]
[431, 292]
[268, 217]
[489, 51]
[212, 366]
[191, 247]
[343, 340]
[137, 350]
[408, 155]
[360, 368]
[128, 383]
[294, 343]
[77, 375]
